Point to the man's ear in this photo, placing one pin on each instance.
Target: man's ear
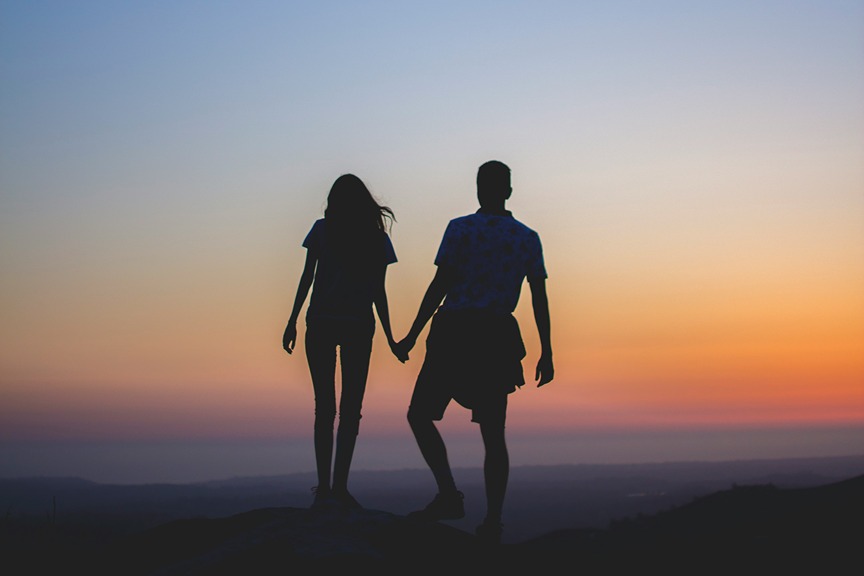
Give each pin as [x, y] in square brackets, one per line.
[509, 192]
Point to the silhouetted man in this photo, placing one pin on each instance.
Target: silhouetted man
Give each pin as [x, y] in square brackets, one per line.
[474, 348]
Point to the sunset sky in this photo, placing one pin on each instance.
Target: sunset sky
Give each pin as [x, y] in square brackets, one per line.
[695, 171]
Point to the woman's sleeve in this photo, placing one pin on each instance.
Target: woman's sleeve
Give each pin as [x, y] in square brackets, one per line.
[389, 251]
[315, 237]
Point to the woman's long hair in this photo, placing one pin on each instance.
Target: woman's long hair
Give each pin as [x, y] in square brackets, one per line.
[355, 222]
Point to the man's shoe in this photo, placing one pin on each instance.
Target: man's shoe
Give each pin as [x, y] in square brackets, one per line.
[489, 533]
[445, 506]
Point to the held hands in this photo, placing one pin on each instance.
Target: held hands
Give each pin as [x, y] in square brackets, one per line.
[545, 370]
[403, 347]
[289, 338]
[400, 353]
[399, 349]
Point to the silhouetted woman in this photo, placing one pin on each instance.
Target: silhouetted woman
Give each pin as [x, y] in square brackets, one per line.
[348, 252]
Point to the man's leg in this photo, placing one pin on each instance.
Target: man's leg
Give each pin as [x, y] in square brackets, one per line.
[433, 450]
[496, 467]
[448, 503]
[429, 401]
[496, 470]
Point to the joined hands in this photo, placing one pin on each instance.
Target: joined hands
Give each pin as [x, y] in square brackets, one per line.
[402, 348]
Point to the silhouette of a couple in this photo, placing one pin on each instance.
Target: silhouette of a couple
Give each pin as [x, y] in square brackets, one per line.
[474, 348]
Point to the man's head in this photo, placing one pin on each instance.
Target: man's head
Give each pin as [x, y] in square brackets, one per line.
[493, 183]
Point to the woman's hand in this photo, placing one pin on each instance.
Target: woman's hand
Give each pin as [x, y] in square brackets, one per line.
[289, 338]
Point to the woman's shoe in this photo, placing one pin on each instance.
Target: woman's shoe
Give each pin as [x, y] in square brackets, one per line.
[344, 499]
[324, 498]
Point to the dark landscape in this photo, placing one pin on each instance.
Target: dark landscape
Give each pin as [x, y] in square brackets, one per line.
[744, 517]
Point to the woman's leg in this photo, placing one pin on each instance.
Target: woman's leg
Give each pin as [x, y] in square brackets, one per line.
[321, 356]
[355, 353]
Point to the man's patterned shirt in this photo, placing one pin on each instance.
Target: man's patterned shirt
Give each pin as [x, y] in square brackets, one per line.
[491, 255]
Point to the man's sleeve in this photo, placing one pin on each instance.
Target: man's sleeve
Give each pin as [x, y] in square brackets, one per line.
[446, 249]
[536, 264]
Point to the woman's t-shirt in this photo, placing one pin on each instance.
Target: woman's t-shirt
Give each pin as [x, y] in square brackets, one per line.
[345, 290]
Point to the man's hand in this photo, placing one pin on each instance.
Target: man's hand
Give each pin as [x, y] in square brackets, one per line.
[545, 371]
[289, 338]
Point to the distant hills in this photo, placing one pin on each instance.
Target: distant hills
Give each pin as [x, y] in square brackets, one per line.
[738, 516]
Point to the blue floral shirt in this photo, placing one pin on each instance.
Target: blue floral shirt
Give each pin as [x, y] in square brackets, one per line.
[491, 255]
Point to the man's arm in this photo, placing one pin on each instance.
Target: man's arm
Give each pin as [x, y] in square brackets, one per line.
[435, 293]
[545, 368]
[383, 308]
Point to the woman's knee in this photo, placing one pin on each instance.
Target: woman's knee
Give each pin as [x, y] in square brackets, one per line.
[325, 413]
[349, 423]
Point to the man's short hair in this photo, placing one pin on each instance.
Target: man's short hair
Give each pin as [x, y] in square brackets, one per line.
[493, 176]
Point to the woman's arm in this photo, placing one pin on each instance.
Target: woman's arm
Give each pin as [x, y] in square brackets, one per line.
[383, 309]
[289, 338]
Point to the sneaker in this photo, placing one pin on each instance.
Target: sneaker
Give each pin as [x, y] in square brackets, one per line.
[489, 533]
[344, 499]
[448, 506]
[324, 498]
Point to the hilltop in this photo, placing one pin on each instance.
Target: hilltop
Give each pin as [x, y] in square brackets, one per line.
[786, 513]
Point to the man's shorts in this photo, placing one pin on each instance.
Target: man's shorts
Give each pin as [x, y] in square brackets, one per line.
[473, 357]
